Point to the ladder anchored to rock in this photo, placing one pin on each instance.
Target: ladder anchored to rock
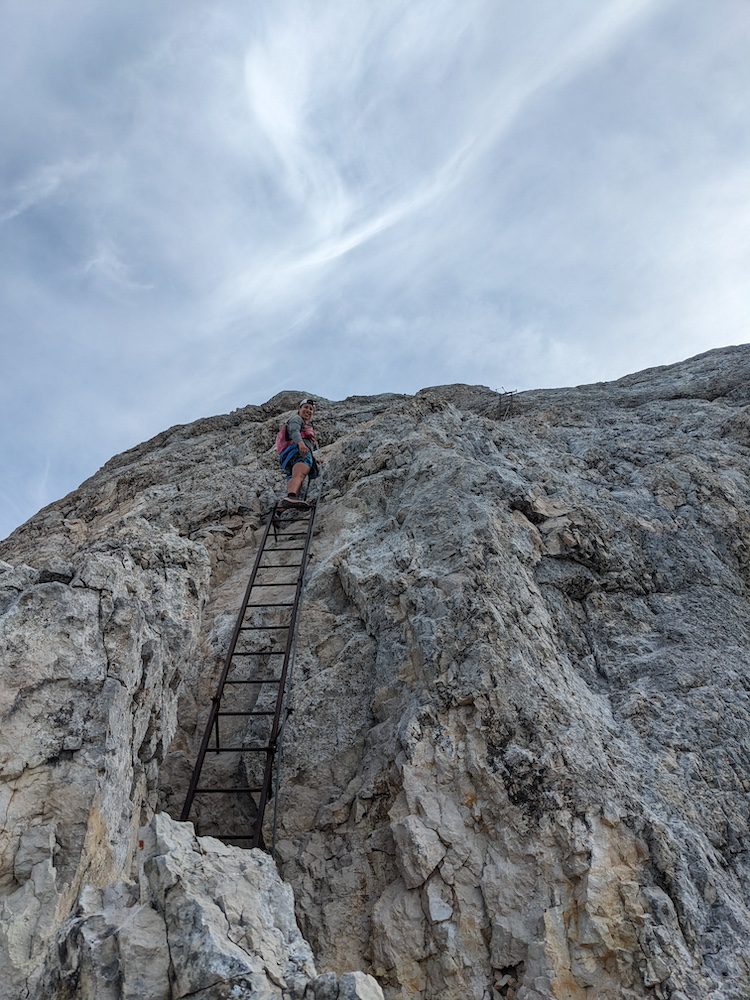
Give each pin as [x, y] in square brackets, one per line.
[238, 756]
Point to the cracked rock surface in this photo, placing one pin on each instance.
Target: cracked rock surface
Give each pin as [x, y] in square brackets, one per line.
[205, 921]
[518, 761]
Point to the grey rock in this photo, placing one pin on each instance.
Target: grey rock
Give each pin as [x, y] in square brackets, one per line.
[88, 705]
[519, 755]
[420, 850]
[208, 921]
[325, 987]
[359, 986]
[350, 986]
[228, 916]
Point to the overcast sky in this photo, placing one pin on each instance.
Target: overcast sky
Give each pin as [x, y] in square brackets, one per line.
[204, 203]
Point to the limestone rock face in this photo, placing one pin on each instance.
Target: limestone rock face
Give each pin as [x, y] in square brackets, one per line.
[518, 761]
[207, 921]
[95, 644]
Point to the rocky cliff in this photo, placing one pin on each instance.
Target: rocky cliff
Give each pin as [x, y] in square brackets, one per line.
[518, 761]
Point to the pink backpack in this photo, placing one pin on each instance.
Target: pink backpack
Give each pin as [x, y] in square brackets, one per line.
[282, 439]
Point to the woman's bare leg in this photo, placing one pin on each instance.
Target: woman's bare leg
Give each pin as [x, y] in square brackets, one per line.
[299, 471]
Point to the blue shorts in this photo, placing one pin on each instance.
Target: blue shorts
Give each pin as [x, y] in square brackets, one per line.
[290, 457]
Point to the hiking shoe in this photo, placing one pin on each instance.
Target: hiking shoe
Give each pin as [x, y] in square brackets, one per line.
[293, 502]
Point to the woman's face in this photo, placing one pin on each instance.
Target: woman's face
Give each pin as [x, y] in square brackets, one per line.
[306, 411]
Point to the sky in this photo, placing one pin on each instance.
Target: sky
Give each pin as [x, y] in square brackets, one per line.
[202, 204]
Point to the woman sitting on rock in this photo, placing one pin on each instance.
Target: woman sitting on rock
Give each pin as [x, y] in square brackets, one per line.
[296, 444]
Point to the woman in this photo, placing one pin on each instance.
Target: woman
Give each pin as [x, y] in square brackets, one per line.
[296, 458]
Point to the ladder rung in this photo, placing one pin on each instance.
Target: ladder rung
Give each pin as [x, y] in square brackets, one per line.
[263, 680]
[282, 604]
[233, 750]
[293, 548]
[276, 583]
[255, 628]
[281, 566]
[224, 791]
[261, 652]
[292, 583]
[246, 714]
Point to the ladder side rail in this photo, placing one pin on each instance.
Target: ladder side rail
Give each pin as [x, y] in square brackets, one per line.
[279, 762]
[212, 717]
[280, 749]
[282, 729]
[268, 773]
[277, 783]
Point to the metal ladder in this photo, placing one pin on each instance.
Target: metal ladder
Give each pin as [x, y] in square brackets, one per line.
[248, 679]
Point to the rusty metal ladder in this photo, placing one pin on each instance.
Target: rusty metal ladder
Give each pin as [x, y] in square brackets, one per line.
[249, 671]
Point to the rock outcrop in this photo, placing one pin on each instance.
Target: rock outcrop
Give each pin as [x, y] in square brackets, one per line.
[518, 761]
[208, 921]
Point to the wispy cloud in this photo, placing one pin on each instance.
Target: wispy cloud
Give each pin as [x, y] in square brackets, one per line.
[42, 183]
[108, 264]
[415, 193]
[279, 76]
